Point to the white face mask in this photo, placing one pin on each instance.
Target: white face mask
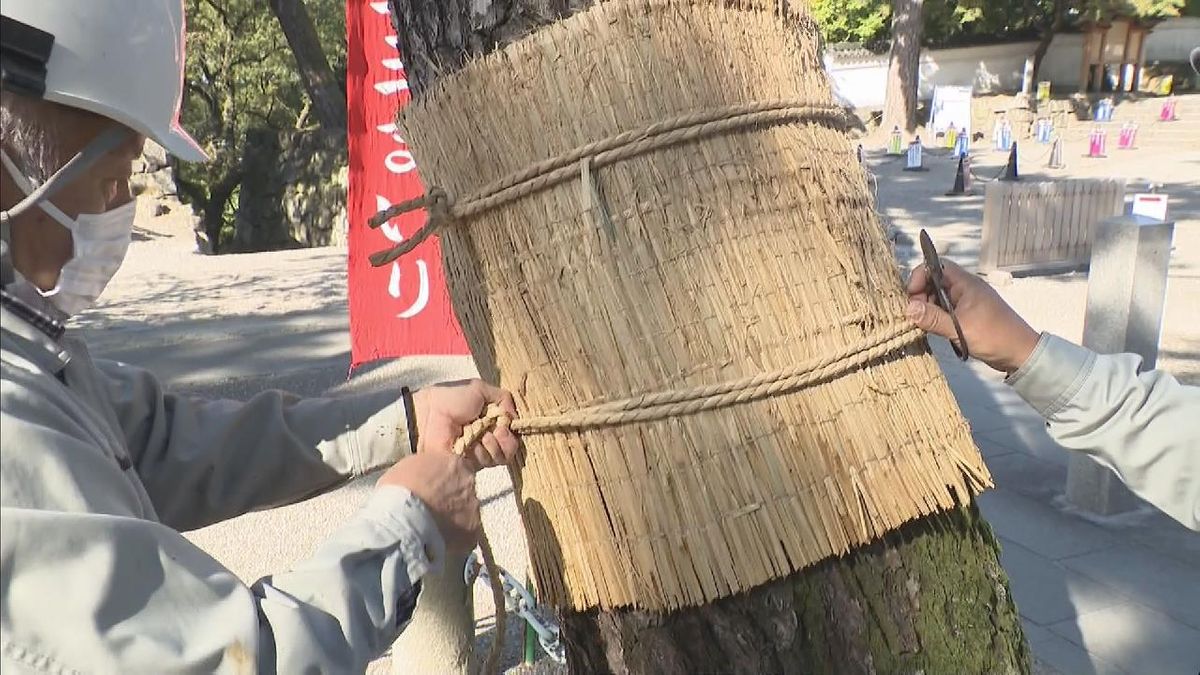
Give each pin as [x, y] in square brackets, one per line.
[100, 241]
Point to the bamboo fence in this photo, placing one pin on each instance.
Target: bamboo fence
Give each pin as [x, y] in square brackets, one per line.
[1045, 226]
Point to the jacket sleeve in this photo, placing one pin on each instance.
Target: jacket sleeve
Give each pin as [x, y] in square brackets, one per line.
[1142, 425]
[89, 592]
[204, 461]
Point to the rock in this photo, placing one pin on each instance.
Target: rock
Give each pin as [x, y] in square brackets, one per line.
[159, 183]
[154, 157]
[161, 209]
[294, 193]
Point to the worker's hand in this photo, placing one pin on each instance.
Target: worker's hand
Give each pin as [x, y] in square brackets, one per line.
[445, 483]
[443, 410]
[995, 333]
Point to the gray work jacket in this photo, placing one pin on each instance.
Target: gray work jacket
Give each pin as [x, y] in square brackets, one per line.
[1145, 426]
[101, 469]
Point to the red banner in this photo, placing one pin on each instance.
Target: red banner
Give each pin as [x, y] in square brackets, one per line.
[403, 308]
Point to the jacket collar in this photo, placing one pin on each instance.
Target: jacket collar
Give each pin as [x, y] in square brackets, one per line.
[28, 325]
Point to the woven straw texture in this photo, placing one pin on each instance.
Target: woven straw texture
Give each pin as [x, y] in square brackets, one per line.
[710, 261]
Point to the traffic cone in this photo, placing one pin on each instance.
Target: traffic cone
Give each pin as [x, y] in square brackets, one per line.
[1010, 169]
[1056, 160]
[962, 178]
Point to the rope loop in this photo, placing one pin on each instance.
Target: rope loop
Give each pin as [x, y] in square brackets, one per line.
[439, 206]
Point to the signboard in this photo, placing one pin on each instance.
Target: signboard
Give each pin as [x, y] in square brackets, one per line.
[403, 308]
[951, 105]
[1150, 206]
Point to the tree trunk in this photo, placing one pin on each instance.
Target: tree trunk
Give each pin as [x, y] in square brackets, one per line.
[931, 597]
[900, 99]
[1052, 27]
[329, 101]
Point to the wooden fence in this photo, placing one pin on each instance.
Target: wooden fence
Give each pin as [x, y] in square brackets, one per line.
[1045, 227]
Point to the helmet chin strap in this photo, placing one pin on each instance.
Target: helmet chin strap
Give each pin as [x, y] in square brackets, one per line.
[100, 146]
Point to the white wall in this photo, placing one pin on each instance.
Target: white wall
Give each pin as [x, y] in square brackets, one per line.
[859, 79]
[1173, 40]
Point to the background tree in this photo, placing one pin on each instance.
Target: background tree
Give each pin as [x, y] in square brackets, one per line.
[930, 597]
[907, 25]
[904, 66]
[328, 97]
[863, 21]
[242, 74]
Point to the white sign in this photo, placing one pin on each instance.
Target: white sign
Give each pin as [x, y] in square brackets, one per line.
[951, 105]
[1150, 206]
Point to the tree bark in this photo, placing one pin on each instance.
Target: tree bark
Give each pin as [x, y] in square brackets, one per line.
[931, 597]
[328, 100]
[1053, 26]
[904, 67]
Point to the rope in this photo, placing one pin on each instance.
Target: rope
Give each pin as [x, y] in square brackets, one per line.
[444, 209]
[671, 403]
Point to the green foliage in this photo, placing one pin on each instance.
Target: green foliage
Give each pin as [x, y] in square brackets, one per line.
[949, 23]
[865, 21]
[1107, 9]
[241, 74]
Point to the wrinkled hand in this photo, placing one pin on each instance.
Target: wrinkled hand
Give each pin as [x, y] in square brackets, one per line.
[445, 483]
[996, 334]
[443, 410]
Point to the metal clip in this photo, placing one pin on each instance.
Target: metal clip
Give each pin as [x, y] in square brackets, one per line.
[522, 603]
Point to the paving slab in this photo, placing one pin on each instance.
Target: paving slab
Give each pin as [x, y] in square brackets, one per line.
[1162, 583]
[1032, 439]
[1136, 639]
[1046, 592]
[1027, 475]
[1068, 658]
[1041, 528]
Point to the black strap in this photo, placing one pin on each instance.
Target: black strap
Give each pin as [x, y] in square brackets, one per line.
[410, 417]
[48, 326]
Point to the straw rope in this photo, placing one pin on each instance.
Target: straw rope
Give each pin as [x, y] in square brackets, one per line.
[443, 208]
[661, 405]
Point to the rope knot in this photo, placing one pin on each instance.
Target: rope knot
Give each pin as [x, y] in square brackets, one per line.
[493, 417]
[439, 206]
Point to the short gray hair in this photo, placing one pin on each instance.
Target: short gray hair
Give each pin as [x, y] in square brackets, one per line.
[26, 137]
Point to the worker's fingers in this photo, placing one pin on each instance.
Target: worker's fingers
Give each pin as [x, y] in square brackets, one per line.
[931, 319]
[492, 446]
[957, 279]
[510, 445]
[496, 396]
[918, 280]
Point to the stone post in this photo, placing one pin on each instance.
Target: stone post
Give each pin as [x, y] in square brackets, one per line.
[1127, 285]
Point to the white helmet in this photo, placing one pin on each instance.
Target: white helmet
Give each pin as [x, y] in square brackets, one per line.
[116, 58]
